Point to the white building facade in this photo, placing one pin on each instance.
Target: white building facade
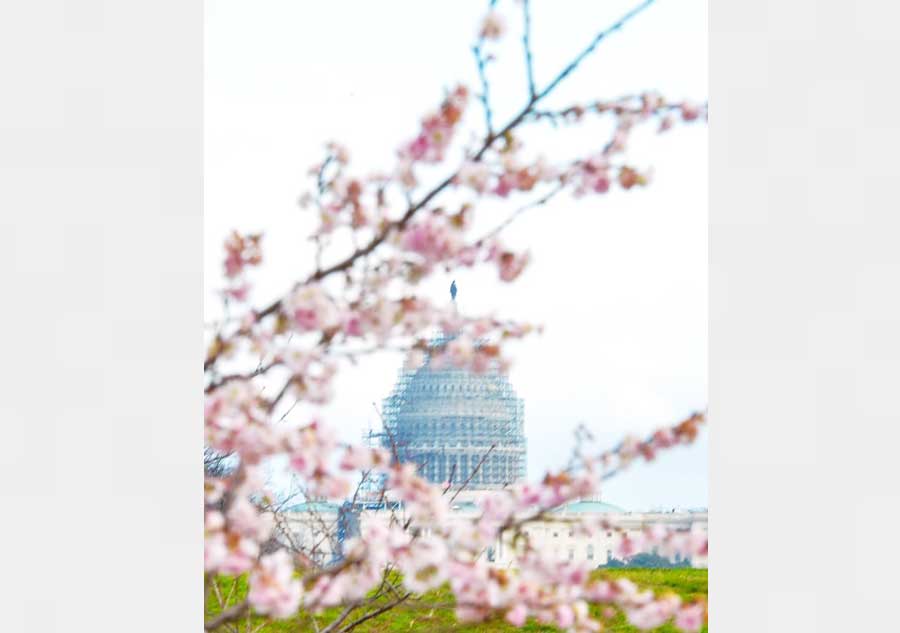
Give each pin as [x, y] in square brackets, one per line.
[320, 529]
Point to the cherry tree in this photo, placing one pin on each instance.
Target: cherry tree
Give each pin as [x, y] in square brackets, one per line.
[378, 238]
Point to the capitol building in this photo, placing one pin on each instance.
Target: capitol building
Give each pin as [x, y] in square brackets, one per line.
[458, 426]
[467, 429]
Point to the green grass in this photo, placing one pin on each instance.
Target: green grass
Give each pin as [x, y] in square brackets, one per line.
[688, 583]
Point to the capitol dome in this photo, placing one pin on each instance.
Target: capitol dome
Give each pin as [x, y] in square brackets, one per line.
[448, 420]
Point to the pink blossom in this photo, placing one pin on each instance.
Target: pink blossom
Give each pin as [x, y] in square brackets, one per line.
[497, 507]
[517, 615]
[474, 175]
[689, 111]
[493, 26]
[241, 251]
[467, 256]
[505, 184]
[628, 546]
[214, 551]
[273, 588]
[327, 591]
[601, 591]
[238, 293]
[228, 410]
[565, 617]
[650, 102]
[698, 543]
[460, 351]
[511, 265]
[655, 534]
[309, 451]
[316, 389]
[244, 518]
[437, 130]
[481, 363]
[599, 182]
[240, 554]
[311, 309]
[423, 564]
[299, 360]
[414, 359]
[666, 123]
[353, 324]
[433, 238]
[690, 618]
[340, 152]
[418, 147]
[363, 458]
[214, 488]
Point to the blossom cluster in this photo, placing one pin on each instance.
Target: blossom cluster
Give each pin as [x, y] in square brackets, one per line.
[630, 109]
[493, 26]
[631, 448]
[241, 252]
[509, 174]
[437, 129]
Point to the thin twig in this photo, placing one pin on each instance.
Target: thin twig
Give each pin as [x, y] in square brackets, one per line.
[526, 41]
[374, 613]
[509, 220]
[590, 48]
[484, 97]
[350, 608]
[472, 474]
[228, 615]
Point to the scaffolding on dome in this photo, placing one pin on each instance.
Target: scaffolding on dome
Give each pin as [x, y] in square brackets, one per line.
[448, 421]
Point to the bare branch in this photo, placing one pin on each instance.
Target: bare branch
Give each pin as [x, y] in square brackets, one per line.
[350, 608]
[484, 97]
[590, 48]
[228, 615]
[515, 214]
[526, 42]
[375, 613]
[472, 474]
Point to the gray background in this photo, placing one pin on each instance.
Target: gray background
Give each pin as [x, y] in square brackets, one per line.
[100, 192]
[804, 314]
[100, 186]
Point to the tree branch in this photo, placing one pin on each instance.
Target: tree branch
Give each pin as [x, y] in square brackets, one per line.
[228, 615]
[484, 97]
[590, 48]
[509, 220]
[526, 42]
[378, 239]
[375, 613]
[472, 474]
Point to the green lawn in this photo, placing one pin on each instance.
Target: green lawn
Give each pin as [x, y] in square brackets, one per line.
[688, 583]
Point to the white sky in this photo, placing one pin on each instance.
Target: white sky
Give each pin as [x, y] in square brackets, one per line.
[619, 281]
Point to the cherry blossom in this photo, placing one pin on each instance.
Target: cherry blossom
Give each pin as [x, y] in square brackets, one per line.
[493, 26]
[273, 588]
[437, 129]
[241, 251]
[310, 309]
[690, 618]
[398, 233]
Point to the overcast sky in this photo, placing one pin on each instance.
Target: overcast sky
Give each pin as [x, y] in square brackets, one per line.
[622, 292]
